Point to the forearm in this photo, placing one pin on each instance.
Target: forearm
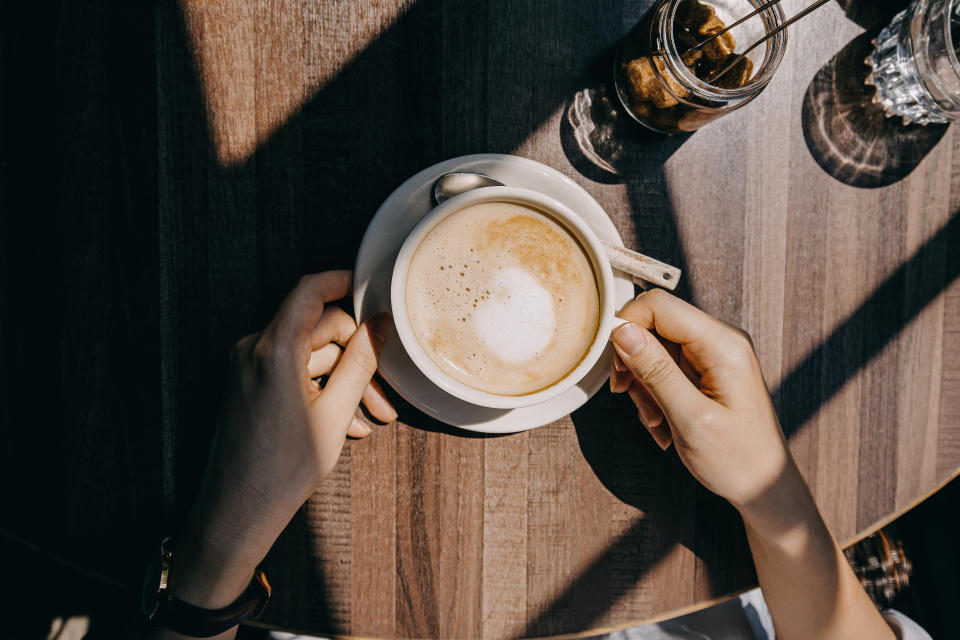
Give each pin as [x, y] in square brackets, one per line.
[806, 581]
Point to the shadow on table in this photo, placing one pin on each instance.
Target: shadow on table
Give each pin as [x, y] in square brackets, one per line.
[232, 241]
[676, 510]
[848, 134]
[52, 599]
[235, 237]
[409, 414]
[873, 325]
[628, 463]
[606, 145]
[872, 14]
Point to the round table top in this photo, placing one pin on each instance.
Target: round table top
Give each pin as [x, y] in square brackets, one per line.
[218, 150]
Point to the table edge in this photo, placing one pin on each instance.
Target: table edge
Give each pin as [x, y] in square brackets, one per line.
[673, 613]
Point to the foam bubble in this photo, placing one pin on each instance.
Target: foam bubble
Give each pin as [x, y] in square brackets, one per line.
[517, 322]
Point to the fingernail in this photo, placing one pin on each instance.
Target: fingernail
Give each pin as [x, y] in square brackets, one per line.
[630, 338]
[380, 326]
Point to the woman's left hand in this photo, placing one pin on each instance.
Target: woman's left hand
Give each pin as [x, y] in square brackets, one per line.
[280, 433]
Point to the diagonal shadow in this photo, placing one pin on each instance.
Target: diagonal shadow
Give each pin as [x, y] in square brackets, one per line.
[418, 93]
[463, 115]
[629, 464]
[872, 14]
[443, 80]
[611, 442]
[881, 317]
[400, 141]
[606, 145]
[403, 103]
[621, 564]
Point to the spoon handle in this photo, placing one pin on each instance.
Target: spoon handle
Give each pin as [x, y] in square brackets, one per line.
[644, 267]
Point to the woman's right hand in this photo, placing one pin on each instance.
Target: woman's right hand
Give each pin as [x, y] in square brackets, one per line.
[696, 382]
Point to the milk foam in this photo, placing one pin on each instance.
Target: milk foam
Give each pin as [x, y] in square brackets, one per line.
[502, 298]
[517, 322]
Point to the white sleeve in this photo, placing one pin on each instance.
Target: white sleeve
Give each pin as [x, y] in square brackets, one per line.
[757, 613]
[904, 627]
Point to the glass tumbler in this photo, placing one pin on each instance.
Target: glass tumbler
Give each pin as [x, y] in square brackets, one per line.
[914, 63]
[664, 82]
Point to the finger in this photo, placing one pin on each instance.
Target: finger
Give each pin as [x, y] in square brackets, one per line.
[620, 375]
[650, 413]
[678, 398]
[677, 321]
[676, 352]
[358, 428]
[242, 348]
[346, 385]
[302, 308]
[376, 402]
[322, 361]
[620, 381]
[613, 372]
[334, 325]
[662, 436]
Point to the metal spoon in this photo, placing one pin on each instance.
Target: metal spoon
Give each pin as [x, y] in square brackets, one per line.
[636, 264]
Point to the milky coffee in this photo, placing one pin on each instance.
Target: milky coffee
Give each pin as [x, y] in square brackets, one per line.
[503, 298]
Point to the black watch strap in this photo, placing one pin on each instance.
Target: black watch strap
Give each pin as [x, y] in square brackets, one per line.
[191, 620]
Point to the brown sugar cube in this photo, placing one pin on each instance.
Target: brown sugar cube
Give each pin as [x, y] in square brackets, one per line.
[690, 59]
[716, 50]
[685, 43]
[668, 96]
[644, 84]
[693, 13]
[738, 76]
[713, 24]
[640, 78]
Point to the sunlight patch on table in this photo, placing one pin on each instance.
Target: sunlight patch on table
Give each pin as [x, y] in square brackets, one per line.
[258, 64]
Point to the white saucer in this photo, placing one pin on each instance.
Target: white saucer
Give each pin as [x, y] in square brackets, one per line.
[397, 216]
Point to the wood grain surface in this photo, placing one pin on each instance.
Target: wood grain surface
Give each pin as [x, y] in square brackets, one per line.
[170, 170]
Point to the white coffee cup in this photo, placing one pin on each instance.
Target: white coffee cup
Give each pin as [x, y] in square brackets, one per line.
[563, 215]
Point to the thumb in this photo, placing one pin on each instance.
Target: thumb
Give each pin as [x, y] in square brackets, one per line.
[652, 365]
[344, 389]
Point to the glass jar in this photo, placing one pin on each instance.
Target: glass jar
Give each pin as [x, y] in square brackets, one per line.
[664, 83]
[914, 63]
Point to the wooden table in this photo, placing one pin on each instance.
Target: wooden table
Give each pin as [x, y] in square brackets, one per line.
[169, 173]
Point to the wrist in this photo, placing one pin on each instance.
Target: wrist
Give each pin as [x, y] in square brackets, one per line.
[784, 508]
[209, 574]
[226, 537]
